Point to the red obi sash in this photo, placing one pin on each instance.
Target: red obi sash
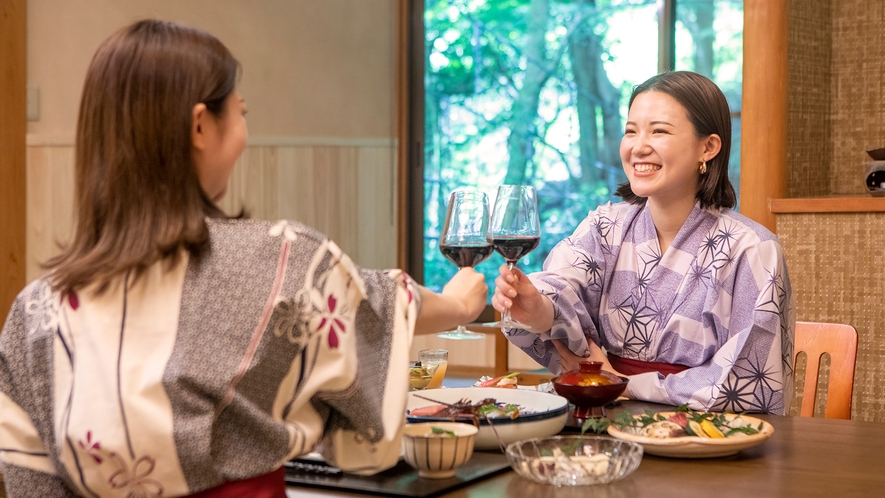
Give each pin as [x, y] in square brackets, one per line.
[271, 485]
[627, 366]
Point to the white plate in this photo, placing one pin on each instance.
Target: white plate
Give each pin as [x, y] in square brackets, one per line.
[546, 415]
[698, 447]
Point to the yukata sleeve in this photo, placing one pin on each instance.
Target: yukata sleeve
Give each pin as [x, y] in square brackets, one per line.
[752, 369]
[364, 420]
[27, 469]
[572, 279]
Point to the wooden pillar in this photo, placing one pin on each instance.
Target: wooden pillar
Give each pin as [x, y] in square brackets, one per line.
[764, 108]
[401, 113]
[13, 127]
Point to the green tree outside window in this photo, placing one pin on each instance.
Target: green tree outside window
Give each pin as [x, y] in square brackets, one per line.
[534, 92]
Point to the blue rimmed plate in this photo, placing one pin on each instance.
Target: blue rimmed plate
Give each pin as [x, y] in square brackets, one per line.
[541, 414]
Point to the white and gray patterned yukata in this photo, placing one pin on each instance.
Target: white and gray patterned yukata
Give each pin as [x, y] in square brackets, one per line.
[718, 301]
[272, 345]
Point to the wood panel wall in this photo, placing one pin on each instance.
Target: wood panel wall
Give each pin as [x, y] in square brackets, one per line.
[344, 189]
[764, 108]
[13, 126]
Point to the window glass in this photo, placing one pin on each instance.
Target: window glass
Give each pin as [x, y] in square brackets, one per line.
[534, 92]
[709, 41]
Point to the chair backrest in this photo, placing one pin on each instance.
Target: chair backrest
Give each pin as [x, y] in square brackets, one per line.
[827, 395]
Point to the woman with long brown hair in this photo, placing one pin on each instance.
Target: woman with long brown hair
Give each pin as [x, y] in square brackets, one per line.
[172, 349]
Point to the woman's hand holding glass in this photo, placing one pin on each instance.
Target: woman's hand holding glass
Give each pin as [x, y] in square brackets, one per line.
[515, 231]
[464, 242]
[468, 290]
[514, 292]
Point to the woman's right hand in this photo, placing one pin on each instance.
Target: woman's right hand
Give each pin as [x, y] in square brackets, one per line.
[467, 289]
[514, 291]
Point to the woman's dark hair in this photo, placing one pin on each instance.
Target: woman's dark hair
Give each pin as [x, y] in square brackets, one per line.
[709, 114]
[138, 197]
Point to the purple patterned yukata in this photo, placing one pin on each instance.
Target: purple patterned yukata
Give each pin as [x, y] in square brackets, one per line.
[271, 345]
[718, 301]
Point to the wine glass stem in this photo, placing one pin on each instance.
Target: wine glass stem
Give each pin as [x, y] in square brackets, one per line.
[505, 317]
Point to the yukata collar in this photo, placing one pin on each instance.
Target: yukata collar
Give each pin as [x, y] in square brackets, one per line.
[692, 234]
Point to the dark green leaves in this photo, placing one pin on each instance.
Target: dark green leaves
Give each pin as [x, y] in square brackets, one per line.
[442, 432]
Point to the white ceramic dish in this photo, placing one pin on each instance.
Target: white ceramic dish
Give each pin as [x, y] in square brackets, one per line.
[438, 456]
[696, 447]
[542, 414]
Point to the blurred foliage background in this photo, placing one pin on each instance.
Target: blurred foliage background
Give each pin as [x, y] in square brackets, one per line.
[534, 92]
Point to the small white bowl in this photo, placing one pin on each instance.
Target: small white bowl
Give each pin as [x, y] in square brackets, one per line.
[436, 456]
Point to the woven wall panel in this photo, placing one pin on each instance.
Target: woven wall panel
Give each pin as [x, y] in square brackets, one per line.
[858, 90]
[834, 260]
[809, 54]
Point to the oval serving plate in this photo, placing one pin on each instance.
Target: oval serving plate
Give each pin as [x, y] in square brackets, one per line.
[698, 447]
[541, 414]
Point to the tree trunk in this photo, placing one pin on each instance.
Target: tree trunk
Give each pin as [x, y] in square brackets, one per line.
[600, 157]
[703, 36]
[520, 143]
[581, 54]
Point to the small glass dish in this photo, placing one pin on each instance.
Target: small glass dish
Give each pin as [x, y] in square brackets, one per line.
[574, 460]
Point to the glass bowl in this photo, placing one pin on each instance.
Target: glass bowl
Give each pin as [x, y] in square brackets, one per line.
[574, 460]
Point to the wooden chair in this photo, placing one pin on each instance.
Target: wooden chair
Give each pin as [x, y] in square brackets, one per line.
[502, 357]
[823, 392]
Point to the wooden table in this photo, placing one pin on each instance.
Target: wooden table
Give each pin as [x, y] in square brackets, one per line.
[804, 457]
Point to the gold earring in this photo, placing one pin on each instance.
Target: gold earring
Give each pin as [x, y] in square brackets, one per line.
[703, 168]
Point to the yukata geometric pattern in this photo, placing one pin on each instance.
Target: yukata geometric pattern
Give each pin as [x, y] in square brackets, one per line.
[718, 301]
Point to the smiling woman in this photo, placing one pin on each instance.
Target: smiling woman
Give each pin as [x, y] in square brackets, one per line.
[687, 297]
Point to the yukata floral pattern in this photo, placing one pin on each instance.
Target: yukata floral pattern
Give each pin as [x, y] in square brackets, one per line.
[718, 301]
[272, 345]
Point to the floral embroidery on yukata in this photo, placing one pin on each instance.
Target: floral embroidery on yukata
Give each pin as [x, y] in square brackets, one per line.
[133, 480]
[73, 300]
[93, 449]
[42, 302]
[283, 228]
[331, 316]
[294, 314]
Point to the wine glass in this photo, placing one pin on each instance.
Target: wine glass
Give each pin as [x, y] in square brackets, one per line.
[464, 240]
[515, 230]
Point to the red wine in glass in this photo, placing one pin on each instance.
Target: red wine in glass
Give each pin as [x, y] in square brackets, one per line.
[515, 231]
[466, 255]
[513, 248]
[465, 240]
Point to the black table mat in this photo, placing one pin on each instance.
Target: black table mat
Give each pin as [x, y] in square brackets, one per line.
[401, 480]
